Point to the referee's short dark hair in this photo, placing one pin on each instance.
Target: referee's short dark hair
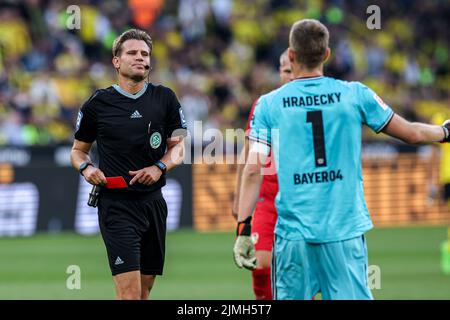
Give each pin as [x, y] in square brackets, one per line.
[309, 39]
[131, 34]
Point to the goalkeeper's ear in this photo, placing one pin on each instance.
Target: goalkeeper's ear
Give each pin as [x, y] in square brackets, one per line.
[327, 55]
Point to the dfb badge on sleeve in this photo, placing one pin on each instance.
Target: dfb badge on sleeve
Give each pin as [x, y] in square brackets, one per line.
[80, 116]
[183, 120]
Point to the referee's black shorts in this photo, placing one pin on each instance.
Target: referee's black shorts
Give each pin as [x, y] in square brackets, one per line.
[133, 228]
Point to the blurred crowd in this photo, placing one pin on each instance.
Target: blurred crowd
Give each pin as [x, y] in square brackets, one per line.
[217, 55]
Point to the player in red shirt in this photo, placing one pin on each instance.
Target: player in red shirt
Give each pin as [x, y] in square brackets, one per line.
[265, 215]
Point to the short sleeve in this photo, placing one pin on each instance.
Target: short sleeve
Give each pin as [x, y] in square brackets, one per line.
[86, 125]
[175, 120]
[260, 129]
[375, 113]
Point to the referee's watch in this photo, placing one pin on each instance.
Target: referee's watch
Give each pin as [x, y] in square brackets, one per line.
[161, 166]
[83, 166]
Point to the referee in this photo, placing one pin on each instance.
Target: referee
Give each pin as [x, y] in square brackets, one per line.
[139, 129]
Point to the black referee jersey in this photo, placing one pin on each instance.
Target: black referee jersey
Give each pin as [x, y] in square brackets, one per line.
[130, 129]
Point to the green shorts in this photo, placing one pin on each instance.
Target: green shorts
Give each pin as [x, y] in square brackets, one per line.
[336, 269]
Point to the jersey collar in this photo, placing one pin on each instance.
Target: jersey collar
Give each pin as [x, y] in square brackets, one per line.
[308, 78]
[129, 95]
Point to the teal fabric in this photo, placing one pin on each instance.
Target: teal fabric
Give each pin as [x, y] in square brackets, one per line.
[339, 270]
[314, 128]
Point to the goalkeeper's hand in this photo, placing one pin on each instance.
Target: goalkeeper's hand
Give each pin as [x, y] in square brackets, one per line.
[446, 127]
[244, 249]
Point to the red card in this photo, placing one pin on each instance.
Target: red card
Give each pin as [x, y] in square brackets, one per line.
[116, 183]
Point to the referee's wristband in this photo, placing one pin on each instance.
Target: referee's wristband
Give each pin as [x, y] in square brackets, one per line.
[84, 166]
[161, 166]
[244, 228]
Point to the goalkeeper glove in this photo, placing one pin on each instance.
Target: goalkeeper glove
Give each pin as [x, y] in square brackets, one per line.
[244, 249]
[446, 127]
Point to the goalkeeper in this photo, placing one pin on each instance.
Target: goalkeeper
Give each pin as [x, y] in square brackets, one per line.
[313, 127]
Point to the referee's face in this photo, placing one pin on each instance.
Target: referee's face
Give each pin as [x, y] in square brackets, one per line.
[135, 55]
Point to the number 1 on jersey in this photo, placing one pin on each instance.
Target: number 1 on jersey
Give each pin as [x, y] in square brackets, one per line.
[315, 117]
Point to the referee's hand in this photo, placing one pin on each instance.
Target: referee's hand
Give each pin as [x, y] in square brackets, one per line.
[94, 176]
[145, 176]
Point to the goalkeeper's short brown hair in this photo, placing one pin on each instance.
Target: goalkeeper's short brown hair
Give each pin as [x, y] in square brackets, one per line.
[128, 35]
[309, 39]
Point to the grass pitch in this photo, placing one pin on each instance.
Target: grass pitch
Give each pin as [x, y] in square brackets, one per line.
[200, 266]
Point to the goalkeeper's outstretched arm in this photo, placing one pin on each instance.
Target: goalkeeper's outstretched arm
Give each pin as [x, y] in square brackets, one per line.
[416, 132]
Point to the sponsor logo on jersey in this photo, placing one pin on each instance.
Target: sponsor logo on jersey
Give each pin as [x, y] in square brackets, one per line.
[135, 115]
[380, 101]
